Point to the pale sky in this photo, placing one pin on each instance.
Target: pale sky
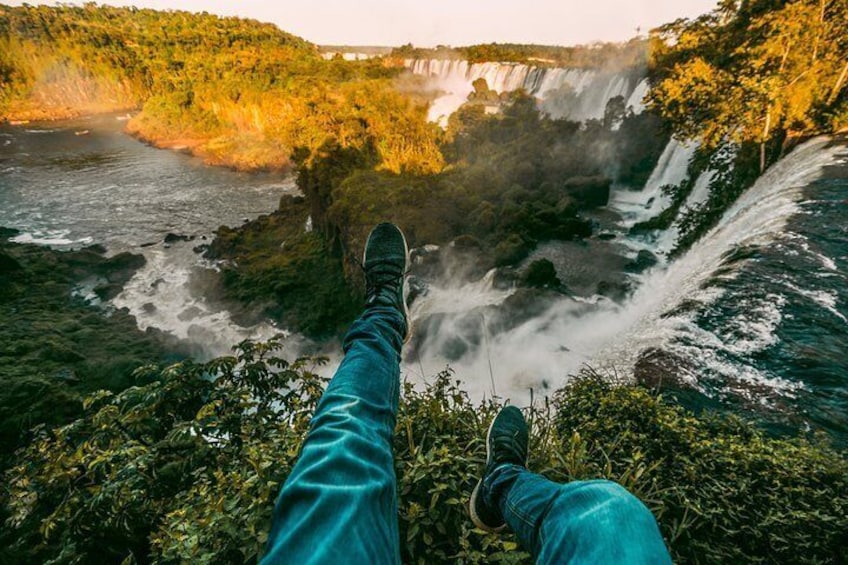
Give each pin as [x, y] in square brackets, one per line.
[427, 23]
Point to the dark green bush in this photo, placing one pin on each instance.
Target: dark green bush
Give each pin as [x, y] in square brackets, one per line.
[132, 476]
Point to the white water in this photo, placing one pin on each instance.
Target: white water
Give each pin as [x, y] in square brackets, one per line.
[68, 191]
[577, 94]
[608, 336]
[671, 169]
[171, 292]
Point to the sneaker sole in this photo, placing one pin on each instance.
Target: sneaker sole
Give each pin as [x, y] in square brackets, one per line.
[472, 503]
[405, 285]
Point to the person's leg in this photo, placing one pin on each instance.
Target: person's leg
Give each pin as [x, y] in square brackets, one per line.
[578, 522]
[339, 504]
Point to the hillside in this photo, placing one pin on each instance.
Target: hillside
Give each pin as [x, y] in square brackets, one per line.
[235, 92]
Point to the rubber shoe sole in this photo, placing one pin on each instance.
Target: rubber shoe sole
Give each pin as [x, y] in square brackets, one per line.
[472, 504]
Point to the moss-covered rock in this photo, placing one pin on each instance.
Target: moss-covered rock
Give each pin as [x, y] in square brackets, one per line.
[54, 347]
[292, 273]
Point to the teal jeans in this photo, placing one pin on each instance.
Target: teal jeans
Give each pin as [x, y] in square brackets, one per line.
[339, 504]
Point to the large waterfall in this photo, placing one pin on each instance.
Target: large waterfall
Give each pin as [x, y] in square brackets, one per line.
[577, 94]
[738, 317]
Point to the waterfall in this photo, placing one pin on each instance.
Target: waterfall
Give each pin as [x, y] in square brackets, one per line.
[569, 333]
[654, 317]
[671, 169]
[577, 94]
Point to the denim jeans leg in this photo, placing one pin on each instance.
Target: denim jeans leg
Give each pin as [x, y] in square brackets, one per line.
[339, 504]
[579, 522]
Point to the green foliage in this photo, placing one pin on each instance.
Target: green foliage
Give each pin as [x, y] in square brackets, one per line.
[55, 348]
[723, 492]
[275, 263]
[753, 71]
[236, 92]
[183, 469]
[186, 468]
[512, 179]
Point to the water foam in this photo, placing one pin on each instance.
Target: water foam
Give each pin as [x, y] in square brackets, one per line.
[168, 294]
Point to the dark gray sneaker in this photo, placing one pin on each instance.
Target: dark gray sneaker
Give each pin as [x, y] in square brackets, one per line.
[385, 261]
[506, 442]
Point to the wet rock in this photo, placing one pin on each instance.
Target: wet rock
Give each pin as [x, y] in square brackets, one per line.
[644, 260]
[6, 233]
[189, 313]
[615, 290]
[97, 248]
[200, 248]
[122, 266]
[173, 238]
[521, 306]
[506, 278]
[148, 307]
[149, 244]
[426, 255]
[417, 287]
[606, 236]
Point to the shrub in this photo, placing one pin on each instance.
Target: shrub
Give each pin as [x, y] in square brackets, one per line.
[186, 469]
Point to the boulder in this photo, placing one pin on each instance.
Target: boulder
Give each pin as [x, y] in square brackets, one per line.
[6, 233]
[644, 260]
[541, 274]
[174, 237]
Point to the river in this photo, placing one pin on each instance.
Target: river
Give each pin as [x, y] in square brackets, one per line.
[76, 183]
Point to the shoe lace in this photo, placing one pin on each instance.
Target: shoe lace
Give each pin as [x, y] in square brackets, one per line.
[377, 279]
[508, 446]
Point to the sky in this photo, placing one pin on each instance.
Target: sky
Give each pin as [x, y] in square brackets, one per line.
[426, 23]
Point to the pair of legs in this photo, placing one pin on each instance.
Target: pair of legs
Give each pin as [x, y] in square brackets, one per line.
[339, 504]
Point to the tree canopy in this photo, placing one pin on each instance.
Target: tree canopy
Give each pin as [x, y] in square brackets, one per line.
[753, 71]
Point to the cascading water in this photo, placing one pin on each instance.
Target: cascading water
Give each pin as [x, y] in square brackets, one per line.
[671, 170]
[577, 94]
[756, 312]
[726, 312]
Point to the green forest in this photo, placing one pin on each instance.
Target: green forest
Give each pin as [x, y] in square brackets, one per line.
[111, 463]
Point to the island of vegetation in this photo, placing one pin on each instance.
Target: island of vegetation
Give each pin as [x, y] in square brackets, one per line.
[117, 453]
